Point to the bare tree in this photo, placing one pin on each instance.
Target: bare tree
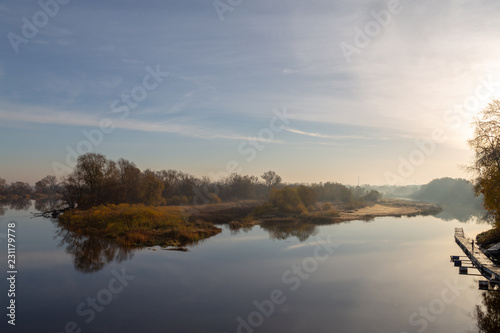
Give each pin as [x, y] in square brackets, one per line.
[20, 188]
[47, 185]
[271, 179]
[72, 189]
[3, 186]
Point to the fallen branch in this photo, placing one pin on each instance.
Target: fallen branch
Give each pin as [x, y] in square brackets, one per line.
[51, 213]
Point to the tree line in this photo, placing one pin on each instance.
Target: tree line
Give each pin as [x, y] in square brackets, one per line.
[46, 186]
[97, 180]
[449, 191]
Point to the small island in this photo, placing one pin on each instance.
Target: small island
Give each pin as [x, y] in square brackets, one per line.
[177, 226]
[168, 208]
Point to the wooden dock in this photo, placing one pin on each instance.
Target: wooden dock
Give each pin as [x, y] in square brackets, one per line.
[483, 264]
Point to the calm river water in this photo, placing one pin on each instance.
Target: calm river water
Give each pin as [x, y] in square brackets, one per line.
[386, 275]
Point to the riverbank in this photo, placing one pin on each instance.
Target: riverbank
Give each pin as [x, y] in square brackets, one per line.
[488, 238]
[249, 213]
[139, 225]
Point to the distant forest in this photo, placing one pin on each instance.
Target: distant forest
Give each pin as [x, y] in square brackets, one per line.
[442, 191]
[97, 180]
[449, 191]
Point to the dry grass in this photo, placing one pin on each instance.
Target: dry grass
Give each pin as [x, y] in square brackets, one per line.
[138, 225]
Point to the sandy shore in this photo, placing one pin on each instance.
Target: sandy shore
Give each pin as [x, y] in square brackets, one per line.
[389, 207]
[240, 213]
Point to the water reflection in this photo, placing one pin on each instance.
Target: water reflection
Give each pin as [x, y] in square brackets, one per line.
[19, 204]
[488, 315]
[292, 229]
[462, 213]
[91, 254]
[41, 205]
[45, 205]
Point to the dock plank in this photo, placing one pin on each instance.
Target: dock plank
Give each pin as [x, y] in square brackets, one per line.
[487, 268]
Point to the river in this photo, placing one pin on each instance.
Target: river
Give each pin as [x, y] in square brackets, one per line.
[385, 275]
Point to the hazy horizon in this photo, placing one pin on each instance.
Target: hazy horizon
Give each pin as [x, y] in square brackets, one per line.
[316, 91]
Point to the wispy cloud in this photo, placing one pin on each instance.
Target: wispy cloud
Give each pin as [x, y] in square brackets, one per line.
[183, 127]
[333, 137]
[313, 134]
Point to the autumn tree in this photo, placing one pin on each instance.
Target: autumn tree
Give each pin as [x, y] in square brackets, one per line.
[486, 166]
[287, 199]
[307, 195]
[151, 189]
[129, 181]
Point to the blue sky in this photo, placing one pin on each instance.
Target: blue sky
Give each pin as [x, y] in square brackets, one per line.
[360, 83]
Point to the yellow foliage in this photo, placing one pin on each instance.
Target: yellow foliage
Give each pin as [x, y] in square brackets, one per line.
[489, 186]
[138, 224]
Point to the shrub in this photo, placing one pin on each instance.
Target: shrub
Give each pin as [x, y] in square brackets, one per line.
[287, 199]
[177, 200]
[213, 198]
[307, 195]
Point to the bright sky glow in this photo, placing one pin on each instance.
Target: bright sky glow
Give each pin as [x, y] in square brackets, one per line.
[315, 90]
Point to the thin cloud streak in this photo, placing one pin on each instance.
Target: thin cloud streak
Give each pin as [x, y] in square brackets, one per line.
[324, 136]
[46, 117]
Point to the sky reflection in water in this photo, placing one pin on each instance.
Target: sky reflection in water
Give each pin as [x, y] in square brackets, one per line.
[378, 278]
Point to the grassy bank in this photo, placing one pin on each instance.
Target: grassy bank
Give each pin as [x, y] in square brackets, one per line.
[138, 225]
[488, 238]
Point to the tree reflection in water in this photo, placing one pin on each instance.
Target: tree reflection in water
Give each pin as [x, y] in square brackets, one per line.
[91, 254]
[45, 205]
[488, 315]
[20, 204]
[290, 229]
